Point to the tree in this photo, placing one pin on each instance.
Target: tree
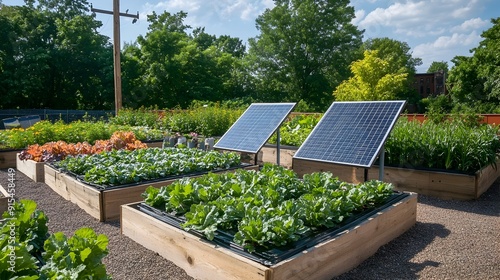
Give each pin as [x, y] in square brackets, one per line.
[59, 60]
[474, 81]
[488, 60]
[8, 33]
[168, 67]
[397, 53]
[400, 60]
[372, 79]
[303, 51]
[437, 66]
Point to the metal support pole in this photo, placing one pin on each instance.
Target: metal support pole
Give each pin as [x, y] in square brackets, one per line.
[278, 146]
[381, 165]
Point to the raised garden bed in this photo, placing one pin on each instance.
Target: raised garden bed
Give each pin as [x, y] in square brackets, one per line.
[203, 259]
[32, 169]
[31, 161]
[100, 183]
[437, 183]
[104, 204]
[268, 224]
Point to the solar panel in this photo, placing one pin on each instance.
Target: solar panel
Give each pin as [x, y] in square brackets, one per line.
[351, 133]
[254, 127]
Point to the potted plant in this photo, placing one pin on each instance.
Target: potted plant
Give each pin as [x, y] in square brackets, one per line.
[193, 142]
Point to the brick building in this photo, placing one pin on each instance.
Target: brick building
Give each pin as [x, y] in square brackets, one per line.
[430, 84]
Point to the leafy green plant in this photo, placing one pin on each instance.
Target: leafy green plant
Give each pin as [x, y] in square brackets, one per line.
[120, 167]
[22, 232]
[27, 251]
[77, 257]
[295, 131]
[74, 132]
[269, 208]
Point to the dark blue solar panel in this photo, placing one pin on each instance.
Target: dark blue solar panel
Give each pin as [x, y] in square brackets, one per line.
[351, 133]
[251, 131]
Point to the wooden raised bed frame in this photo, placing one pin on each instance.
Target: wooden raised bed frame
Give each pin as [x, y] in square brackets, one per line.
[4, 200]
[268, 154]
[202, 259]
[34, 170]
[445, 185]
[100, 204]
[8, 158]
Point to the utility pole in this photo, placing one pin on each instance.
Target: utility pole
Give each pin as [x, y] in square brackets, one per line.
[116, 47]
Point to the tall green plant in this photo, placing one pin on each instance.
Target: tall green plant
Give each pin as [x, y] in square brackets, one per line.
[149, 117]
[451, 145]
[207, 121]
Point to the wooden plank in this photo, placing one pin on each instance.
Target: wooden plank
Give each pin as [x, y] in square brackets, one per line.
[87, 198]
[445, 185]
[203, 260]
[32, 169]
[200, 259]
[269, 155]
[154, 144]
[402, 177]
[349, 249]
[8, 158]
[344, 172]
[4, 200]
[486, 177]
[113, 199]
[55, 180]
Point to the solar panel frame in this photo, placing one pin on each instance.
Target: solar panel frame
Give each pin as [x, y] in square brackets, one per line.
[346, 132]
[239, 137]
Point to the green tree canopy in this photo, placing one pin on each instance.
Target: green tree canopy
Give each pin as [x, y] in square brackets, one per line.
[303, 51]
[400, 60]
[373, 79]
[54, 57]
[397, 53]
[474, 81]
[437, 66]
[169, 67]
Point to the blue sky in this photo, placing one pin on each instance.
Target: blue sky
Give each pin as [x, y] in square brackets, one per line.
[436, 30]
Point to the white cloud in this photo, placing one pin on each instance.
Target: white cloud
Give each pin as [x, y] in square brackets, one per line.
[245, 10]
[471, 24]
[418, 18]
[456, 40]
[465, 9]
[444, 48]
[173, 6]
[204, 12]
[268, 4]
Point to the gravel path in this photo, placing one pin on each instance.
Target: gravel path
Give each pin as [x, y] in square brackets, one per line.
[451, 240]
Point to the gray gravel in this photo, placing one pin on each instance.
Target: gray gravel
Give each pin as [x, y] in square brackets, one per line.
[451, 240]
